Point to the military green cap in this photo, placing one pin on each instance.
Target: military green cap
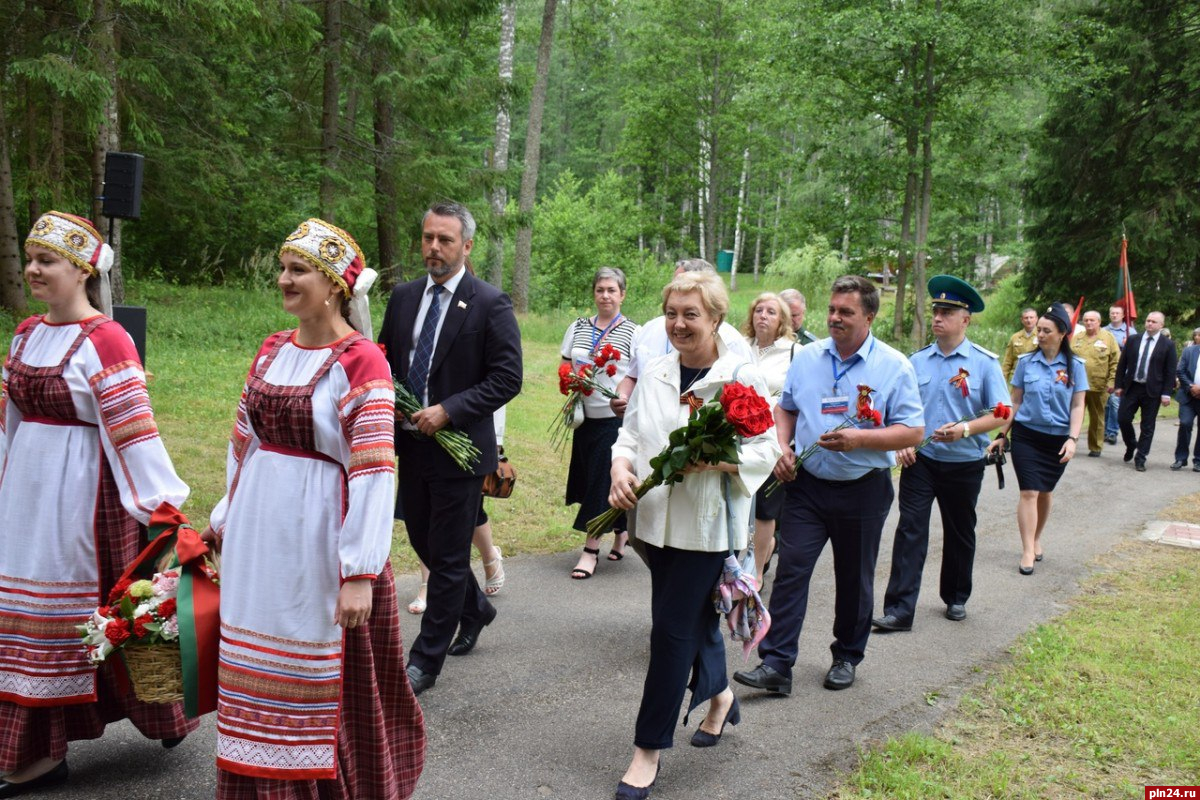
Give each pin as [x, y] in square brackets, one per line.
[947, 290]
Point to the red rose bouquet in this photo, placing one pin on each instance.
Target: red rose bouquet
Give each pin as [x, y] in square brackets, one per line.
[1001, 411]
[578, 384]
[864, 411]
[710, 437]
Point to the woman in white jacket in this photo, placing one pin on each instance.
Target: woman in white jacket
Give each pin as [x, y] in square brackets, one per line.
[685, 526]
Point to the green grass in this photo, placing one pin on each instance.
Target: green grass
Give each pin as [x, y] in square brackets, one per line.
[1099, 703]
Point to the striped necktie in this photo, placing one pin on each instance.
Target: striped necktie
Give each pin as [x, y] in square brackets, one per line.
[418, 373]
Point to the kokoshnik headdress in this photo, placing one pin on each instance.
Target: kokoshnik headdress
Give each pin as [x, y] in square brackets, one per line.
[77, 240]
[334, 252]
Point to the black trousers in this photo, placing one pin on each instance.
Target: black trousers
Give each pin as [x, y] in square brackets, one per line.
[685, 638]
[1133, 400]
[849, 515]
[440, 515]
[955, 486]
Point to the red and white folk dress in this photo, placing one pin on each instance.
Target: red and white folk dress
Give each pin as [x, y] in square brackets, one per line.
[305, 709]
[81, 464]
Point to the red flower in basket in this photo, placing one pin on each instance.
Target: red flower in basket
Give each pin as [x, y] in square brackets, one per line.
[117, 632]
[746, 410]
[139, 625]
[166, 609]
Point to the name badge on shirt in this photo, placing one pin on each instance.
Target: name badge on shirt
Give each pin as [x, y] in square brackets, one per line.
[835, 405]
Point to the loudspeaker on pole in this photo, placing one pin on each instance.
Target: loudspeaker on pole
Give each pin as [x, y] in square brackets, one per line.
[122, 198]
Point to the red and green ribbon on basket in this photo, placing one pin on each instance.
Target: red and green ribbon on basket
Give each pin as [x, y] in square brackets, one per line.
[199, 602]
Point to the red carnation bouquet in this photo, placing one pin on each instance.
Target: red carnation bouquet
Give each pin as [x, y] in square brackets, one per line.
[864, 411]
[1001, 411]
[578, 384]
[710, 437]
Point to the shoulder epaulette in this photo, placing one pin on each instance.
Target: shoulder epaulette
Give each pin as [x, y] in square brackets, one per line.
[985, 351]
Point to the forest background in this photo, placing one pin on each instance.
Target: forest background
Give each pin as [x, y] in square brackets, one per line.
[808, 137]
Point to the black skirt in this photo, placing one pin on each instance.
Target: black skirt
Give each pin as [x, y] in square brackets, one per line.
[1036, 459]
[768, 508]
[588, 478]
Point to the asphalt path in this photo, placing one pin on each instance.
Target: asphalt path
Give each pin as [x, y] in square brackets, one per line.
[545, 705]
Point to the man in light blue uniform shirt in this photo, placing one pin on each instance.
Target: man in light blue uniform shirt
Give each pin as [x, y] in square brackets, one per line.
[958, 379]
[842, 493]
[1121, 330]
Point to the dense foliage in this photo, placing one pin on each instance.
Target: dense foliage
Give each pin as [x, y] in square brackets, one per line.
[895, 133]
[1120, 154]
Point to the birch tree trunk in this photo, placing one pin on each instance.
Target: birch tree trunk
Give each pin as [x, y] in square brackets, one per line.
[498, 196]
[108, 135]
[738, 235]
[384, 130]
[926, 199]
[330, 151]
[529, 174]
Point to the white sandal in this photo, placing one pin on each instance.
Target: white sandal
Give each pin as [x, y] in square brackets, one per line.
[417, 606]
[495, 582]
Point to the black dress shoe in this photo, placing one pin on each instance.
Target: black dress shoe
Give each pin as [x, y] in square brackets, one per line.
[1139, 465]
[468, 634]
[54, 777]
[1178, 465]
[702, 738]
[840, 675]
[627, 792]
[1093, 453]
[419, 679]
[1025, 570]
[1196, 468]
[1130, 449]
[763, 677]
[890, 622]
[956, 612]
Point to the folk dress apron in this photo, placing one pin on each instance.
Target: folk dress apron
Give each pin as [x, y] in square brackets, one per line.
[42, 662]
[279, 702]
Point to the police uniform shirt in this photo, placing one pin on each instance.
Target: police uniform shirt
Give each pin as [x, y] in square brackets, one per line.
[1120, 332]
[1046, 403]
[811, 382]
[938, 378]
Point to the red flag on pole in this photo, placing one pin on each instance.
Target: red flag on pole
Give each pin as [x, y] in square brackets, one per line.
[1075, 314]
[1124, 285]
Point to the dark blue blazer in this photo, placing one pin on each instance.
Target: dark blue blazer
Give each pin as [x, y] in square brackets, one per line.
[1160, 371]
[475, 369]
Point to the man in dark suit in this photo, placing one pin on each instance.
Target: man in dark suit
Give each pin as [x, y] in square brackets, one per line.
[453, 340]
[1145, 379]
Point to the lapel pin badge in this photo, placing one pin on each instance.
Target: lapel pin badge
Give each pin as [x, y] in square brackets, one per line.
[462, 304]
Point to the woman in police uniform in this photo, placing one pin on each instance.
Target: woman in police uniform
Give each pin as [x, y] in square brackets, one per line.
[1048, 390]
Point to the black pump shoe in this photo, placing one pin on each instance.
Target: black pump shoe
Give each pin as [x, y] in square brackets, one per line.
[54, 777]
[627, 792]
[702, 738]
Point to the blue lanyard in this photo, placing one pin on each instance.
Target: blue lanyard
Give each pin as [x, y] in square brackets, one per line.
[598, 336]
[833, 362]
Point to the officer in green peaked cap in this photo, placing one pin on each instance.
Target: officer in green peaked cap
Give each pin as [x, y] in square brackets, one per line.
[948, 290]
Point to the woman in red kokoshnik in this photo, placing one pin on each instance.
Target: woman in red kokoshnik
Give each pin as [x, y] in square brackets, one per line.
[81, 465]
[313, 701]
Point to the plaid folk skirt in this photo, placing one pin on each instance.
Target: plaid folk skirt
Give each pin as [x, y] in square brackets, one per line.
[381, 740]
[28, 734]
